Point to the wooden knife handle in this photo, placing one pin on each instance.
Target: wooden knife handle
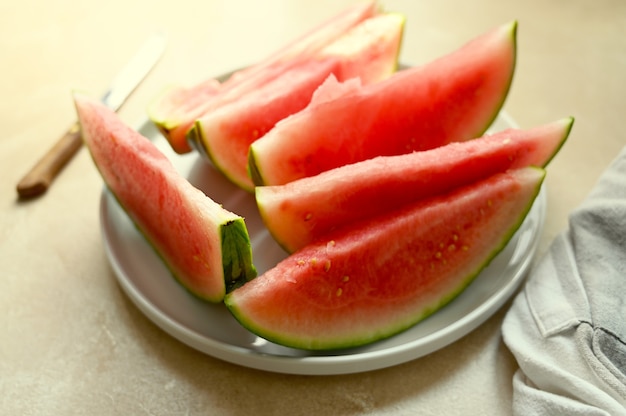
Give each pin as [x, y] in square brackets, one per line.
[38, 179]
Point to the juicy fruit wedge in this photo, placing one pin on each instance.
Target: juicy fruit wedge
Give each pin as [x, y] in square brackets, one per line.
[384, 275]
[454, 98]
[369, 51]
[206, 247]
[174, 119]
[304, 210]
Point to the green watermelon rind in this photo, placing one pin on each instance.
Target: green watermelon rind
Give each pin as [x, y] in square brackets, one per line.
[238, 265]
[197, 139]
[340, 344]
[253, 169]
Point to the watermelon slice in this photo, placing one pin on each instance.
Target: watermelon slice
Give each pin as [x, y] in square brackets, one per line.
[369, 51]
[454, 98]
[304, 210]
[206, 247]
[174, 118]
[382, 276]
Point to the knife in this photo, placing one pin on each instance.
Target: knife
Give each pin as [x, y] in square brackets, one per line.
[40, 177]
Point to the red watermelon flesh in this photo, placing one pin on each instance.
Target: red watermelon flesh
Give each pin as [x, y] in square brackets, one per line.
[206, 247]
[454, 98]
[304, 210]
[382, 276]
[224, 134]
[175, 119]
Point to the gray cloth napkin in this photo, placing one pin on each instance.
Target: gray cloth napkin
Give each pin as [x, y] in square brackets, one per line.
[567, 326]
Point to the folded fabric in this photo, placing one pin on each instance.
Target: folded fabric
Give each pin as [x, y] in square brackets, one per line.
[567, 326]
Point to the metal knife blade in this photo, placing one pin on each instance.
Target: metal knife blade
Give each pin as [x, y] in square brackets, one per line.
[134, 72]
[40, 177]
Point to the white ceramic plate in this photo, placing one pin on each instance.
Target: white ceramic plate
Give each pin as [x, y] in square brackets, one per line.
[212, 330]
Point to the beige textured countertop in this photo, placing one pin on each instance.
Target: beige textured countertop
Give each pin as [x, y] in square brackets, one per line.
[71, 342]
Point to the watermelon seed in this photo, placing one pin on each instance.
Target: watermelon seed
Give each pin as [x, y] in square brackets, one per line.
[327, 265]
[199, 259]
